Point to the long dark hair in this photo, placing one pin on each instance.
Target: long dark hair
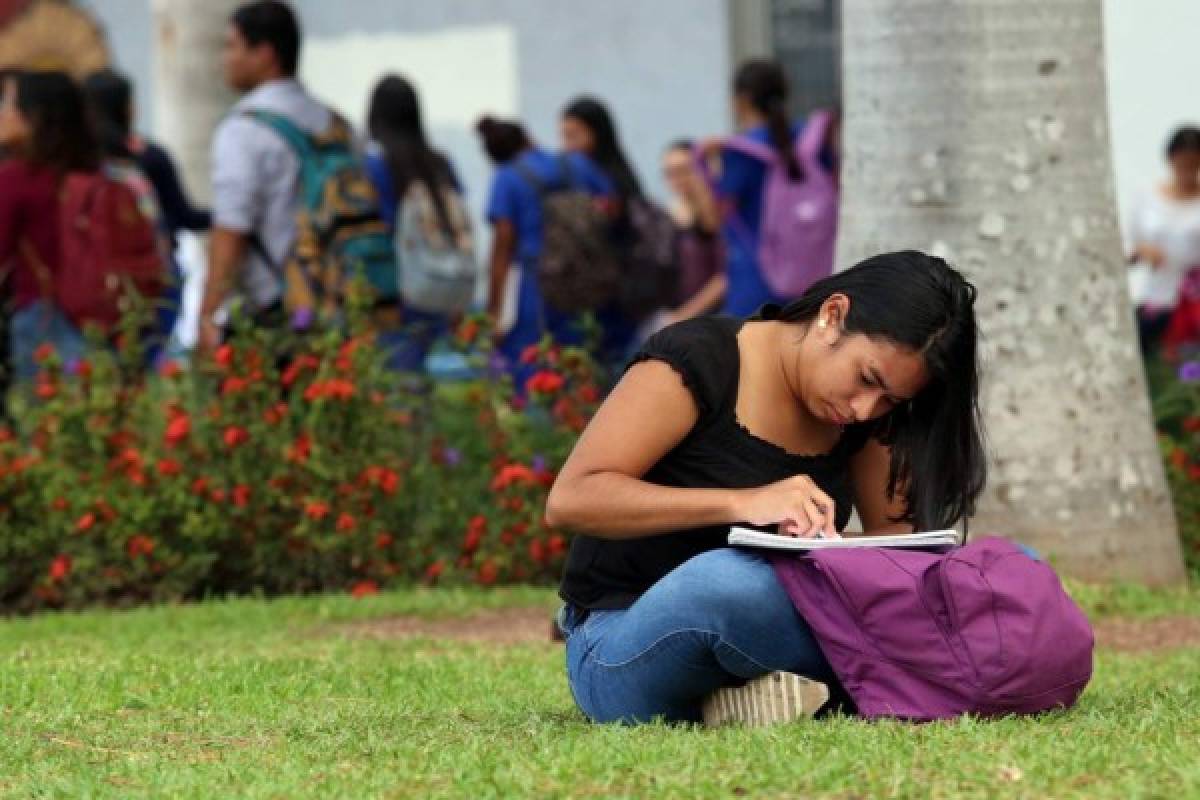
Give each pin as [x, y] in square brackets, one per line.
[110, 96]
[62, 138]
[919, 302]
[606, 150]
[765, 88]
[394, 121]
[503, 140]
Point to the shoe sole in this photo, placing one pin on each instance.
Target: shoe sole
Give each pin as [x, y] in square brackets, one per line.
[775, 698]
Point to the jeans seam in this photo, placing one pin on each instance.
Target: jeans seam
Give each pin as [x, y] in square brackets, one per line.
[604, 664]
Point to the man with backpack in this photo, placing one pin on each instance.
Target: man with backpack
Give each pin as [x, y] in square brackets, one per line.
[294, 215]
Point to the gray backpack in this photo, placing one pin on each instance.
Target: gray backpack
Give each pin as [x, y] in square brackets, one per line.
[435, 256]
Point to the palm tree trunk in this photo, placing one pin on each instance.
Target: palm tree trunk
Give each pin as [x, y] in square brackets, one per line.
[977, 130]
[189, 90]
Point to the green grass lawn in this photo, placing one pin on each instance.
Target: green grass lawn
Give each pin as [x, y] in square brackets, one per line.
[256, 698]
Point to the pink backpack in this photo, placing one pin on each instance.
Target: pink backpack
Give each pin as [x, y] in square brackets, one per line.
[799, 218]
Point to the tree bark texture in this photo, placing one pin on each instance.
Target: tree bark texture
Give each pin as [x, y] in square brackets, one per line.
[977, 130]
[190, 95]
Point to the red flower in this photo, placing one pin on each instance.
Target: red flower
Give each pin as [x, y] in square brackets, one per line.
[434, 570]
[177, 429]
[235, 436]
[364, 588]
[224, 355]
[467, 331]
[60, 568]
[383, 541]
[529, 354]
[513, 473]
[588, 393]
[315, 509]
[275, 414]
[556, 545]
[45, 390]
[170, 369]
[240, 495]
[217, 495]
[1191, 424]
[43, 353]
[345, 523]
[168, 467]
[1193, 472]
[233, 385]
[488, 572]
[299, 451]
[1179, 457]
[60, 504]
[83, 368]
[139, 545]
[85, 523]
[200, 486]
[475, 530]
[544, 381]
[537, 551]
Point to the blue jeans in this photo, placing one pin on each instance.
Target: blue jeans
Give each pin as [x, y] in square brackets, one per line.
[719, 619]
[40, 323]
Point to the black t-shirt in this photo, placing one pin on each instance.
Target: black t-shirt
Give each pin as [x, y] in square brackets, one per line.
[717, 453]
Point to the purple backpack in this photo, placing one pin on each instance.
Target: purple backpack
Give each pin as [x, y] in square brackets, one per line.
[798, 230]
[983, 629]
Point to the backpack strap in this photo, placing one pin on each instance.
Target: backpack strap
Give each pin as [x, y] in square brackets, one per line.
[566, 171]
[749, 147]
[812, 139]
[530, 177]
[291, 133]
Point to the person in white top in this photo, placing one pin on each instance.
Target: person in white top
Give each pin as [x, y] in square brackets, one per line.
[255, 174]
[1165, 237]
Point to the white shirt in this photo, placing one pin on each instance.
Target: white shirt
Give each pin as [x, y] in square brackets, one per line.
[256, 180]
[1174, 227]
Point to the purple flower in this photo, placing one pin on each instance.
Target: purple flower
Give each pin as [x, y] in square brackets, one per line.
[1190, 372]
[452, 457]
[497, 364]
[538, 463]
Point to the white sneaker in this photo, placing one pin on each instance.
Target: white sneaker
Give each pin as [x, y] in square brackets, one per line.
[772, 699]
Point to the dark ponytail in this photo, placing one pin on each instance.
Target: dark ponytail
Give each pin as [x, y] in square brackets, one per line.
[919, 302]
[764, 86]
[606, 153]
[502, 140]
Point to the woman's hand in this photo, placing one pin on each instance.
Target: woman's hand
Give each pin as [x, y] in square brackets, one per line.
[796, 504]
[1151, 254]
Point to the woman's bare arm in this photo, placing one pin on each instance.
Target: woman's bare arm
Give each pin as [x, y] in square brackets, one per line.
[869, 475]
[600, 491]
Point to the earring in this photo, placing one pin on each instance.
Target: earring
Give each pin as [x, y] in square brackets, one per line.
[821, 324]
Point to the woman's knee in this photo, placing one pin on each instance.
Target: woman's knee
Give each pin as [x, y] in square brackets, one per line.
[728, 587]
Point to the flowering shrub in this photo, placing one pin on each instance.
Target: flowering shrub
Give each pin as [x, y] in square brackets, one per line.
[1177, 417]
[283, 465]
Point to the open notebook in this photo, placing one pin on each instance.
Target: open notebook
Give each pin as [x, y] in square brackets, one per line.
[749, 537]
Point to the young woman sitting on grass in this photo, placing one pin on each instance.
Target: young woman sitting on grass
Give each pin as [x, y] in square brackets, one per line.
[860, 395]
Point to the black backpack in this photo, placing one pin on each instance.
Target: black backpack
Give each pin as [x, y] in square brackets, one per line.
[651, 257]
[579, 269]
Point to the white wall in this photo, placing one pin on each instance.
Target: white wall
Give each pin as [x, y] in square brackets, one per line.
[1153, 64]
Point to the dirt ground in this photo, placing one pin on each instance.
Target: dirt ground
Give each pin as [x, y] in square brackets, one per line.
[513, 626]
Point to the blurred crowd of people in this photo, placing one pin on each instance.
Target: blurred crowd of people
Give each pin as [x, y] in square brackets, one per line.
[302, 204]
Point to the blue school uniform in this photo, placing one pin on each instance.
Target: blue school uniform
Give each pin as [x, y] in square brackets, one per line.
[514, 200]
[742, 181]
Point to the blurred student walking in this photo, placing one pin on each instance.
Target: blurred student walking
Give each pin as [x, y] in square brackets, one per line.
[526, 178]
[768, 189]
[421, 201]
